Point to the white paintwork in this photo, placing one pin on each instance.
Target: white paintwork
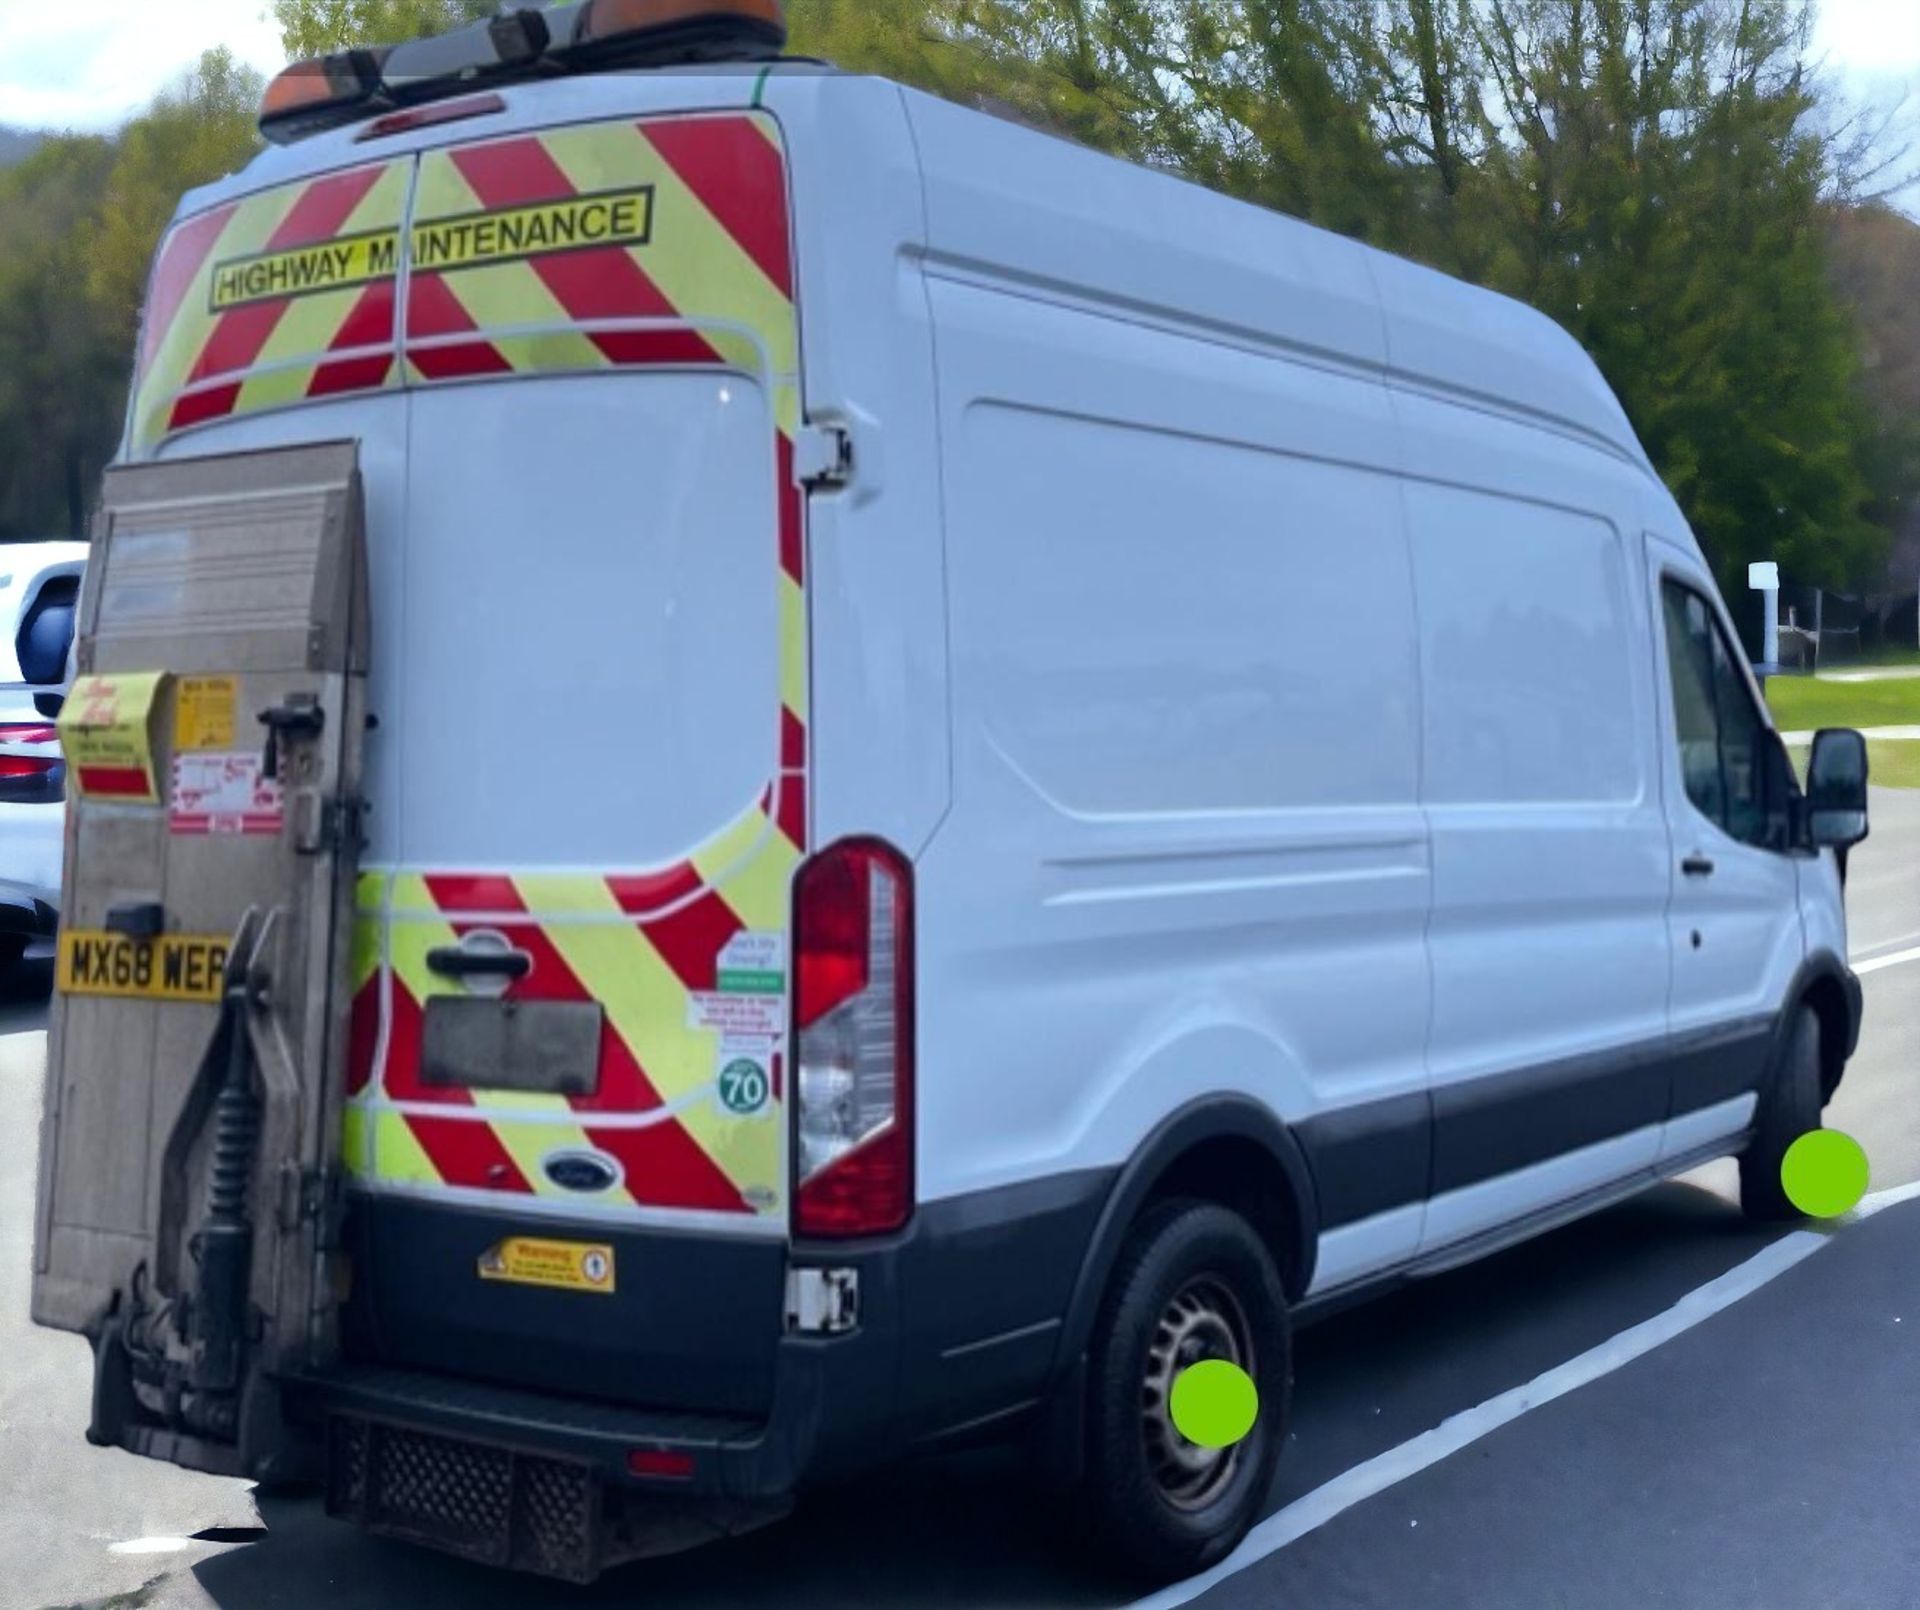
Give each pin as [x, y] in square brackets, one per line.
[657, 570]
[1249, 635]
[31, 849]
[1748, 914]
[1356, 1251]
[1693, 1130]
[1458, 1215]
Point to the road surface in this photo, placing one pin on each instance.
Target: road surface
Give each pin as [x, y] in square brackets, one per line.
[1758, 1458]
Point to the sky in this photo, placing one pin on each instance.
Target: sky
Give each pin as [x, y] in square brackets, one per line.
[87, 64]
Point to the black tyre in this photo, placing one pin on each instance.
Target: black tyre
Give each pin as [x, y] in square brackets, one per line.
[1193, 1282]
[1790, 1106]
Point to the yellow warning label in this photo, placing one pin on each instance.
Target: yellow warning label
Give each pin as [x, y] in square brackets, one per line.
[608, 218]
[106, 735]
[562, 1265]
[333, 265]
[203, 712]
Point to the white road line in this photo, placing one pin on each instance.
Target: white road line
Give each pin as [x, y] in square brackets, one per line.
[1355, 1486]
[1895, 960]
[152, 1545]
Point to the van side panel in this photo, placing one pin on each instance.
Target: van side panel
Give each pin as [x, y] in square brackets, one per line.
[1184, 856]
[876, 589]
[1542, 786]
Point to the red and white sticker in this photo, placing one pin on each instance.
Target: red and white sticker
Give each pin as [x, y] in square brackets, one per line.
[224, 794]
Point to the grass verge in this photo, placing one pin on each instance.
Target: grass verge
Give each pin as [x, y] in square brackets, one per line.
[1805, 704]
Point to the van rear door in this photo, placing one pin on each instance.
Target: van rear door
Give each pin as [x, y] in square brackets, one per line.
[567, 1110]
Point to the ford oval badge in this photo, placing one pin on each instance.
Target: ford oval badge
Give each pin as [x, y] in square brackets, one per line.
[587, 1173]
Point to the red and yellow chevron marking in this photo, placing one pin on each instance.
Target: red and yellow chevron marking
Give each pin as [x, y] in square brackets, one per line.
[698, 272]
[316, 321]
[653, 241]
[640, 946]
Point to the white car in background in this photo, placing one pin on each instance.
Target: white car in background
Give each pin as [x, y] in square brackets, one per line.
[39, 588]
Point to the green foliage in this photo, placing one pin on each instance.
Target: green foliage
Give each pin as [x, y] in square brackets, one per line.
[203, 128]
[58, 378]
[79, 221]
[1652, 173]
[313, 27]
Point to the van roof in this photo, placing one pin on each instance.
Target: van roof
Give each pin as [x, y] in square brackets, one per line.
[1012, 202]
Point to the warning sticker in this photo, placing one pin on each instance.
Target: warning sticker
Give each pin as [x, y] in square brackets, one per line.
[609, 218]
[558, 1265]
[203, 712]
[106, 734]
[738, 1017]
[333, 265]
[219, 793]
[754, 964]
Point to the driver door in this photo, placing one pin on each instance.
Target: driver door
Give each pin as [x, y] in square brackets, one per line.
[1734, 915]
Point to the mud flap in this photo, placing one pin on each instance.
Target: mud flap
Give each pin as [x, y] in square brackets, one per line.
[187, 1211]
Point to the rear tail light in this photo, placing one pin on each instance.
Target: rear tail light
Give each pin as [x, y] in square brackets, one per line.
[31, 779]
[853, 1036]
[425, 117]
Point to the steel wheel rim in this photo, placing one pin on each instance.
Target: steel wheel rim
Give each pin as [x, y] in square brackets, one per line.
[1204, 1320]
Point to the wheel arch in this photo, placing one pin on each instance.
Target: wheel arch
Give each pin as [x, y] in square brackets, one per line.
[1827, 986]
[1228, 1149]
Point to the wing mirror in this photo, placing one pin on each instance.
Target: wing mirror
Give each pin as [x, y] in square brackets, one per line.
[1837, 789]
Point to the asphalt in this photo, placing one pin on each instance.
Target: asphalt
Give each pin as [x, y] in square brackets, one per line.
[1761, 1459]
[1757, 1460]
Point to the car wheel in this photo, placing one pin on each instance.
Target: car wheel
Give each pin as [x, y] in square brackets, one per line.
[1193, 1282]
[1789, 1107]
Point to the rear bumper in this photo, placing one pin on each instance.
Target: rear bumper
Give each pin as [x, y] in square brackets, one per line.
[532, 1482]
[959, 1323]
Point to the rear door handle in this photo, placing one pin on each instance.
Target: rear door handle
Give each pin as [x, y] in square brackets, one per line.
[1697, 866]
[450, 961]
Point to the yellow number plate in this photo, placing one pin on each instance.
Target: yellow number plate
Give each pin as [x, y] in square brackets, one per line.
[174, 967]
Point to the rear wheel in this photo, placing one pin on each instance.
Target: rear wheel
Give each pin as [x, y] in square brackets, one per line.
[1194, 1282]
[1790, 1107]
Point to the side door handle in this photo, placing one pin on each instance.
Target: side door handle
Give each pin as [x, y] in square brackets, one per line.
[1697, 866]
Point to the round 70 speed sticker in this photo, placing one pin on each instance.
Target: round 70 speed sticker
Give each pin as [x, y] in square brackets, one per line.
[745, 1088]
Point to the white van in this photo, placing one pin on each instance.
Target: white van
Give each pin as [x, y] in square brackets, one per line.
[769, 773]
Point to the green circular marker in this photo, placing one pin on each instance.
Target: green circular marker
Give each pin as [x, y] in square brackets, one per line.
[1214, 1403]
[1824, 1174]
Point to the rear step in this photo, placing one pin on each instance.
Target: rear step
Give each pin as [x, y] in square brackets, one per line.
[530, 1482]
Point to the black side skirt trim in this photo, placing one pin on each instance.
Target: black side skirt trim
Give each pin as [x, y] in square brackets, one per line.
[1381, 1155]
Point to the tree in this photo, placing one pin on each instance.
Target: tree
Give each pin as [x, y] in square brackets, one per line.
[314, 27]
[203, 127]
[60, 374]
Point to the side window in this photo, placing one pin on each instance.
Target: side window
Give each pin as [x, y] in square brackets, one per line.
[1727, 759]
[1743, 749]
[1696, 725]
